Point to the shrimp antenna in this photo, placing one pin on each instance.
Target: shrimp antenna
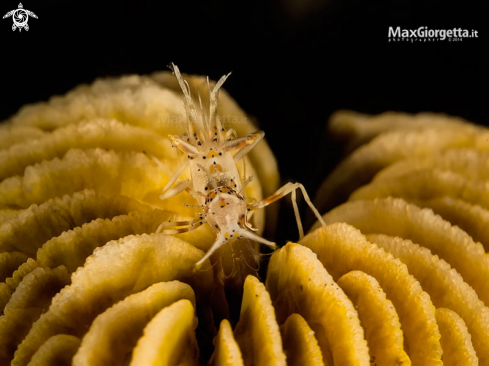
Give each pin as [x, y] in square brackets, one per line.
[190, 109]
[214, 102]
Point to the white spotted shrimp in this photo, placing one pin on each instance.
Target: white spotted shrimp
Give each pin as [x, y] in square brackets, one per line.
[215, 182]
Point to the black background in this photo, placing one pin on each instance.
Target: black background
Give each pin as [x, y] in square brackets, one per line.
[294, 62]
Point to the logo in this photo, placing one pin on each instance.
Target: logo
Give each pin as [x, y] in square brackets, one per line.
[425, 34]
[20, 17]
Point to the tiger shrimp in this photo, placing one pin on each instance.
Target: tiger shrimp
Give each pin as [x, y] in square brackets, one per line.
[215, 181]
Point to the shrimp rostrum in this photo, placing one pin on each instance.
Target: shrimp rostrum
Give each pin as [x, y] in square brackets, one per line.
[215, 183]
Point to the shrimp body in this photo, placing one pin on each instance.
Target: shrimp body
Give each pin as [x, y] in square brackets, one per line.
[215, 181]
